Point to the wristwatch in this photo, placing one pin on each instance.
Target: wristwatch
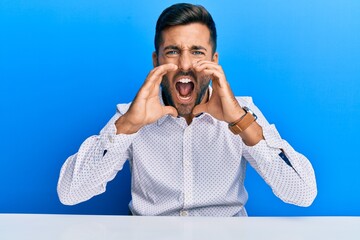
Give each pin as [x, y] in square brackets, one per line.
[244, 122]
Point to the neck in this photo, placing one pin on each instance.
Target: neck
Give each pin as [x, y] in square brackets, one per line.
[189, 118]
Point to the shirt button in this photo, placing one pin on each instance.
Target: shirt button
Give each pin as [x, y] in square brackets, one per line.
[184, 213]
[111, 139]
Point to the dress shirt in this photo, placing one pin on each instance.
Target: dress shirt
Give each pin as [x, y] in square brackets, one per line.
[187, 170]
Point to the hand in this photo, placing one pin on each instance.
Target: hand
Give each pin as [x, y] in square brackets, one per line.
[146, 107]
[222, 105]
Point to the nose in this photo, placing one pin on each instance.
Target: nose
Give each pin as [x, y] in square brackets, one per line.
[185, 61]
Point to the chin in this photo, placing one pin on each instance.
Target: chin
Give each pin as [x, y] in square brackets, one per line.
[185, 110]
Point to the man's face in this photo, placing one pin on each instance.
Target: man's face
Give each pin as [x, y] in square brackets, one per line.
[185, 45]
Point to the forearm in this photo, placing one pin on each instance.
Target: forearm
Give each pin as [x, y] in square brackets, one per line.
[99, 158]
[291, 179]
[124, 126]
[252, 135]
[86, 173]
[289, 173]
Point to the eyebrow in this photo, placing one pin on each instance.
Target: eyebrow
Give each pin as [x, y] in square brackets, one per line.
[175, 47]
[198, 48]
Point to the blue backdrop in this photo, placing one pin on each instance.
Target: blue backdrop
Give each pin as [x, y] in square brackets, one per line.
[64, 65]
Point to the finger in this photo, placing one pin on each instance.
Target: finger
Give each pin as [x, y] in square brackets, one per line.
[157, 73]
[197, 63]
[201, 108]
[169, 110]
[155, 77]
[211, 68]
[216, 77]
[201, 65]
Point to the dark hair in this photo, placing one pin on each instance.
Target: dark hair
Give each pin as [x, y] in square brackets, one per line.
[182, 14]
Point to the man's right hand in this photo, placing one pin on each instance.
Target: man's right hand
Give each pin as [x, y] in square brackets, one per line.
[146, 107]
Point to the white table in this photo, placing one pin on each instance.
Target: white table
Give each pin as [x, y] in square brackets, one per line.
[78, 227]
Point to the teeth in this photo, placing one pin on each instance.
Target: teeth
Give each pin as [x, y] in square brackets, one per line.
[185, 80]
[184, 98]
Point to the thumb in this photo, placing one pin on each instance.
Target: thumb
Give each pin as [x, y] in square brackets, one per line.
[169, 110]
[199, 109]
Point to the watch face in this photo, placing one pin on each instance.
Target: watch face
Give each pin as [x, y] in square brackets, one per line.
[246, 109]
[249, 110]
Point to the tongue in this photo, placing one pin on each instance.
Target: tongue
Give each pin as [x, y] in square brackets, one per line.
[184, 88]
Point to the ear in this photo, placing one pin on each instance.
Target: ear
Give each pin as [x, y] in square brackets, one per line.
[215, 58]
[155, 59]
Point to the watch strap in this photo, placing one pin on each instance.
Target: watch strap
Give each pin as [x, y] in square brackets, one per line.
[243, 123]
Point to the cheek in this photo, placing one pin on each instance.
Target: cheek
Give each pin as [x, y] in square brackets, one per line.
[166, 83]
[164, 60]
[170, 76]
[204, 81]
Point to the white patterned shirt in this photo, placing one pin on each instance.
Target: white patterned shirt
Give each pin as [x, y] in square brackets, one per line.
[187, 170]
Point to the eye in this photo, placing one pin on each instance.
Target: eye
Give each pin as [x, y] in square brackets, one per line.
[172, 52]
[198, 53]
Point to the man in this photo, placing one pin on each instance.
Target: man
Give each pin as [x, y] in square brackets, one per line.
[187, 143]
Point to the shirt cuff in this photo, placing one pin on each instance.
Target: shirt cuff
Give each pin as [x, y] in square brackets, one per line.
[272, 137]
[111, 140]
[267, 148]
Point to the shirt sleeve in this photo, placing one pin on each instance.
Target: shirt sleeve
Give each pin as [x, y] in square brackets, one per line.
[99, 158]
[289, 173]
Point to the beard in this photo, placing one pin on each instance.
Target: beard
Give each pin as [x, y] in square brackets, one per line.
[201, 85]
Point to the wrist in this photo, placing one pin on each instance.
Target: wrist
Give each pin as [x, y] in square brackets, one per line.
[124, 126]
[236, 117]
[252, 135]
[247, 127]
[242, 123]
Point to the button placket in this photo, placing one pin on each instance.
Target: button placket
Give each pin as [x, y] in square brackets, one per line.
[187, 166]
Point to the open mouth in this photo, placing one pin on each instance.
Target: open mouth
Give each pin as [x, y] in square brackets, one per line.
[184, 87]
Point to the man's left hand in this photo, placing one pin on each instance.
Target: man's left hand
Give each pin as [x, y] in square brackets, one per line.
[222, 104]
